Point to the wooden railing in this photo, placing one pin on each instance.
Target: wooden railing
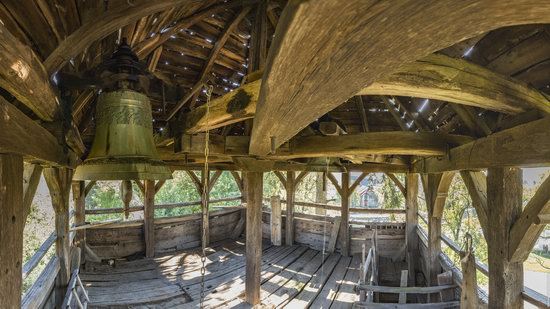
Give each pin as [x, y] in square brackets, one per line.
[101, 211]
[368, 267]
[529, 295]
[377, 211]
[72, 295]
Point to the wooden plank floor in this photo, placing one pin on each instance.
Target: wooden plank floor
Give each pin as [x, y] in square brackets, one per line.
[292, 277]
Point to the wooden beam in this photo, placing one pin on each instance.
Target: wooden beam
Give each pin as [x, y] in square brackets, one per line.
[92, 183]
[20, 135]
[12, 224]
[79, 200]
[144, 48]
[149, 218]
[471, 120]
[459, 81]
[101, 27]
[395, 113]
[276, 220]
[25, 77]
[476, 184]
[254, 236]
[31, 178]
[59, 185]
[290, 194]
[524, 145]
[504, 198]
[298, 87]
[233, 107]
[526, 231]
[344, 215]
[362, 113]
[411, 238]
[398, 183]
[357, 182]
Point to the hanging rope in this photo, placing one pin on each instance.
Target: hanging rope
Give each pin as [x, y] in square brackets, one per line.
[205, 187]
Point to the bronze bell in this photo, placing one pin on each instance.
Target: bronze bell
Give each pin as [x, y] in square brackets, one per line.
[123, 146]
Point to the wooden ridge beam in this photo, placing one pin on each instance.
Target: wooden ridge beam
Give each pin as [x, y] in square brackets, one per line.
[298, 85]
[21, 135]
[100, 28]
[25, 77]
[526, 231]
[524, 145]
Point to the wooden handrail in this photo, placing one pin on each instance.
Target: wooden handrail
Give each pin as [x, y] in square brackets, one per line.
[352, 209]
[406, 289]
[101, 211]
[31, 264]
[72, 292]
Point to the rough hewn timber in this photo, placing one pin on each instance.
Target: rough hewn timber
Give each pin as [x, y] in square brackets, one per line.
[379, 37]
[290, 194]
[100, 28]
[59, 185]
[524, 145]
[24, 76]
[79, 197]
[21, 135]
[12, 223]
[411, 204]
[344, 215]
[149, 218]
[504, 195]
[459, 81]
[476, 184]
[526, 231]
[253, 236]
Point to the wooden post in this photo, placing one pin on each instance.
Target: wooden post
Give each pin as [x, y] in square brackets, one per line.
[12, 224]
[59, 184]
[79, 197]
[411, 204]
[504, 201]
[276, 220]
[289, 227]
[253, 236]
[149, 218]
[320, 193]
[344, 224]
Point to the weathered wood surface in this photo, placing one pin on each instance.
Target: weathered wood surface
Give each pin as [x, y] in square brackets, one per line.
[504, 196]
[25, 77]
[98, 29]
[524, 145]
[12, 224]
[459, 81]
[276, 220]
[526, 231]
[344, 214]
[41, 290]
[298, 87]
[411, 218]
[476, 184]
[254, 200]
[59, 185]
[149, 218]
[21, 135]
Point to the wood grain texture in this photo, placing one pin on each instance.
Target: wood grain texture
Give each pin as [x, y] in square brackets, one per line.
[25, 77]
[98, 29]
[526, 230]
[524, 145]
[319, 59]
[459, 81]
[20, 135]
[149, 218]
[12, 223]
[504, 196]
[253, 236]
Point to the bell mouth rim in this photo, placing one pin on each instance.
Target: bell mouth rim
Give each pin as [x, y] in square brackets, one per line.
[123, 171]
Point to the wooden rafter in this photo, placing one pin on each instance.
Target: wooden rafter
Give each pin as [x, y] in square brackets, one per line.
[362, 113]
[298, 87]
[90, 32]
[396, 114]
[523, 145]
[144, 48]
[473, 122]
